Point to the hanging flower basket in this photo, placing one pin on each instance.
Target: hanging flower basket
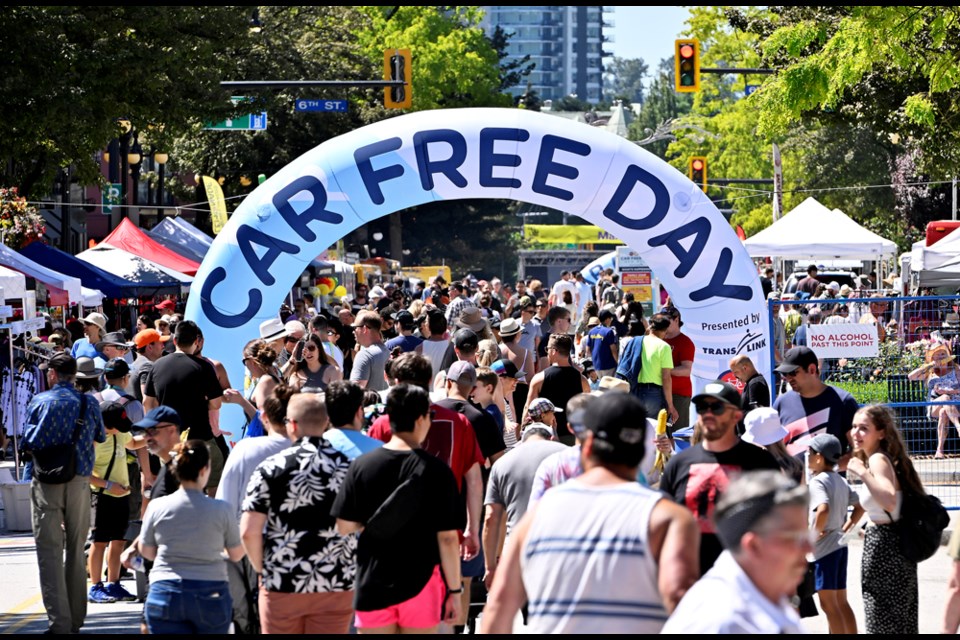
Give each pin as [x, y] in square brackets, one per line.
[20, 222]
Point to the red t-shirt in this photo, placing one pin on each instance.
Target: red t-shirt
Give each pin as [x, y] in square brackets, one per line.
[451, 438]
[683, 349]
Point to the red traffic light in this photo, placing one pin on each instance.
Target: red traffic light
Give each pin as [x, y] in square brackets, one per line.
[697, 165]
[686, 51]
[687, 65]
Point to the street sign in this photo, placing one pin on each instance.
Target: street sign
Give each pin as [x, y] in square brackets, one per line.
[750, 88]
[110, 197]
[335, 106]
[252, 122]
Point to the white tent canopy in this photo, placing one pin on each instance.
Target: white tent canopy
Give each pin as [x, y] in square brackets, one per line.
[12, 259]
[132, 267]
[811, 231]
[92, 297]
[14, 284]
[937, 265]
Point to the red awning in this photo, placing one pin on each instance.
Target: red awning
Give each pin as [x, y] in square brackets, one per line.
[130, 238]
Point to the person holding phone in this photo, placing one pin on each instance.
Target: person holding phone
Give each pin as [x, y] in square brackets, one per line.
[311, 366]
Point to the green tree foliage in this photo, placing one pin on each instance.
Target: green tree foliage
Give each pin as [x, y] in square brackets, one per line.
[454, 63]
[71, 72]
[662, 105]
[624, 78]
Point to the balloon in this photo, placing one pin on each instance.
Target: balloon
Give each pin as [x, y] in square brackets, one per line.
[316, 292]
[324, 289]
[340, 291]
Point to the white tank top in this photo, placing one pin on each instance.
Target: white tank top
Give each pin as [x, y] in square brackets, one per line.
[875, 512]
[434, 351]
[587, 565]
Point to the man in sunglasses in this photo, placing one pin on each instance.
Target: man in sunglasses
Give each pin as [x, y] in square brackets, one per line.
[812, 407]
[697, 476]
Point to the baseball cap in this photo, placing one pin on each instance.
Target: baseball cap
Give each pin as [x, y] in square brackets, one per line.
[466, 340]
[462, 372]
[618, 419]
[539, 407]
[594, 321]
[762, 427]
[167, 304]
[116, 368]
[63, 363]
[404, 318]
[115, 416]
[158, 415]
[538, 429]
[272, 329]
[149, 336]
[719, 390]
[506, 369]
[796, 358]
[827, 445]
[673, 313]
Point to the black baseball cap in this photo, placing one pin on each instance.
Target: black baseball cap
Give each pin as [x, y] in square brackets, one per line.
[63, 363]
[115, 416]
[796, 358]
[404, 318]
[115, 369]
[719, 390]
[465, 340]
[620, 420]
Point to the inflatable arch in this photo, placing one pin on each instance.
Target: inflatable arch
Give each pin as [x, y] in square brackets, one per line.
[482, 153]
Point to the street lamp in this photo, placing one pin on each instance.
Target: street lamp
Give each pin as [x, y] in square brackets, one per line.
[127, 128]
[161, 159]
[134, 157]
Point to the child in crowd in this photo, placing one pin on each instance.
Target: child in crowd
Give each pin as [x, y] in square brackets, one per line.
[486, 394]
[830, 497]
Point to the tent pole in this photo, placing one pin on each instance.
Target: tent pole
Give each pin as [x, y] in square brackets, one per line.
[13, 411]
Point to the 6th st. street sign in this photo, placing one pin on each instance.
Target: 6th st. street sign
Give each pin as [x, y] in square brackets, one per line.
[332, 106]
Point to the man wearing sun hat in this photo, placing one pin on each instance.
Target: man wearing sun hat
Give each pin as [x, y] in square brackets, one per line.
[697, 476]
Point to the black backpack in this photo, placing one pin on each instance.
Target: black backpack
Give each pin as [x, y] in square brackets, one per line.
[922, 521]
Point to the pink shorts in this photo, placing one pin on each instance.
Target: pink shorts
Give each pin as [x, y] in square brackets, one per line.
[422, 611]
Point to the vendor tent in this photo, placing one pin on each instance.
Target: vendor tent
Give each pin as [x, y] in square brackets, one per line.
[130, 238]
[811, 231]
[182, 237]
[92, 297]
[937, 265]
[14, 284]
[132, 267]
[70, 284]
[93, 277]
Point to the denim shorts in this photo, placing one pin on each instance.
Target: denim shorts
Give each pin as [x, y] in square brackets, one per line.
[188, 606]
[831, 570]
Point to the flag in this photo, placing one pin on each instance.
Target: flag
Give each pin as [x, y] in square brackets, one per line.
[218, 206]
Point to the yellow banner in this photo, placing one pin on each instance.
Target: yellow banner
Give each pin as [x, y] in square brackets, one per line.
[568, 234]
[218, 206]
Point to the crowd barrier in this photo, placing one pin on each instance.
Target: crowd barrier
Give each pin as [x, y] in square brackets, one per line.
[908, 330]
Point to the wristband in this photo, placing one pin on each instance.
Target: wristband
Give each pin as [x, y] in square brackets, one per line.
[109, 485]
[454, 591]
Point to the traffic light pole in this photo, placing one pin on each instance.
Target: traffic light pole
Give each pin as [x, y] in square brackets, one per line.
[743, 70]
[296, 84]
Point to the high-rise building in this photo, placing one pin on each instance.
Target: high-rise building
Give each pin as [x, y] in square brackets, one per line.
[565, 44]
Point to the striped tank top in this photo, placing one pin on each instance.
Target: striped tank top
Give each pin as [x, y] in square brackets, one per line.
[587, 567]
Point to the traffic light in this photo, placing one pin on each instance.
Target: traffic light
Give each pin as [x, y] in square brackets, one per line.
[396, 66]
[687, 65]
[698, 172]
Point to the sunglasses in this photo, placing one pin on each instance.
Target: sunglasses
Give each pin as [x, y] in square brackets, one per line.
[717, 408]
[290, 339]
[310, 349]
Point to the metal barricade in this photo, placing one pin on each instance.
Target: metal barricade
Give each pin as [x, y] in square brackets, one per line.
[908, 328]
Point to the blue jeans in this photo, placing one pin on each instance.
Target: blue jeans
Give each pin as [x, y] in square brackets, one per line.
[188, 606]
[651, 395]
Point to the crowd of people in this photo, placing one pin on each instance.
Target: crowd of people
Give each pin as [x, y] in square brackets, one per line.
[413, 459]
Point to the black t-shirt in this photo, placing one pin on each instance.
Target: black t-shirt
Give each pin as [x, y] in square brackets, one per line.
[695, 478]
[403, 498]
[165, 483]
[489, 435]
[559, 385]
[756, 393]
[186, 383]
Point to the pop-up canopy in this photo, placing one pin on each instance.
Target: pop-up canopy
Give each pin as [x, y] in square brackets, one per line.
[811, 231]
[179, 235]
[130, 238]
[70, 284]
[94, 277]
[133, 267]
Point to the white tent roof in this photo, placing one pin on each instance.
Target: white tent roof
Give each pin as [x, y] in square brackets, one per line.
[14, 284]
[130, 266]
[811, 231]
[92, 297]
[70, 284]
[939, 264]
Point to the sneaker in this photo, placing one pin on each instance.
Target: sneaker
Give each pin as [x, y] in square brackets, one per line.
[98, 595]
[116, 591]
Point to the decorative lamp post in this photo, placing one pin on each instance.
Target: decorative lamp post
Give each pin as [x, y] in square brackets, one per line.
[161, 159]
[134, 157]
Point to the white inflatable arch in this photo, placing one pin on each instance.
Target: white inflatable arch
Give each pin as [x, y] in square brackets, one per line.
[482, 153]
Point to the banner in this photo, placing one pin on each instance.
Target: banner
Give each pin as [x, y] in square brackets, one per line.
[843, 340]
[568, 234]
[515, 154]
[218, 206]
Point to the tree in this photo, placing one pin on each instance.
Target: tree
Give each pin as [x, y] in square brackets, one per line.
[624, 79]
[72, 71]
[663, 105]
[512, 72]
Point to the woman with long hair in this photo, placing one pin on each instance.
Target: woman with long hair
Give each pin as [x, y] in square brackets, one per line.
[185, 534]
[312, 367]
[881, 462]
[259, 358]
[940, 374]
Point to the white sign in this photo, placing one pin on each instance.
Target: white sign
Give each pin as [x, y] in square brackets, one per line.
[843, 340]
[629, 260]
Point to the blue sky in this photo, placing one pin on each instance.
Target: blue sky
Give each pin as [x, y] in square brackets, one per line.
[646, 32]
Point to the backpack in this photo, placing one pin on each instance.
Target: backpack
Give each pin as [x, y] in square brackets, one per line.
[922, 521]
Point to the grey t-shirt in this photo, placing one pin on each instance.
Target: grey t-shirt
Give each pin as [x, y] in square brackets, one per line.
[511, 478]
[190, 532]
[830, 489]
[244, 458]
[369, 365]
